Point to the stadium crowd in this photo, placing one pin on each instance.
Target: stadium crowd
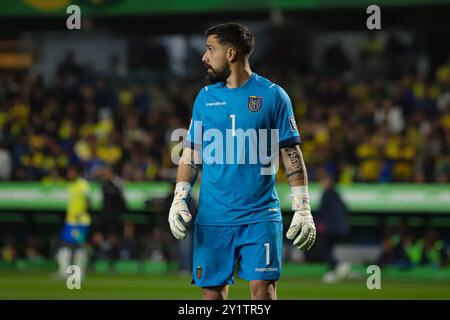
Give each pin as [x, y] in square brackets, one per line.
[358, 121]
[373, 130]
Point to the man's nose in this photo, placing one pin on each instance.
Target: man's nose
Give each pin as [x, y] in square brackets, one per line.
[204, 60]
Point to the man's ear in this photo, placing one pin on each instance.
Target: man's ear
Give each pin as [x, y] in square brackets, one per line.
[231, 54]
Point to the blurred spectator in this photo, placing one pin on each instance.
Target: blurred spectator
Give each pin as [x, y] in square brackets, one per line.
[434, 250]
[128, 245]
[114, 204]
[69, 73]
[8, 250]
[443, 73]
[399, 56]
[371, 56]
[5, 163]
[33, 249]
[429, 250]
[104, 248]
[332, 227]
[157, 245]
[393, 245]
[336, 59]
[403, 248]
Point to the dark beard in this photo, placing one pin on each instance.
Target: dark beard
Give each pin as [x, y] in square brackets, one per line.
[219, 75]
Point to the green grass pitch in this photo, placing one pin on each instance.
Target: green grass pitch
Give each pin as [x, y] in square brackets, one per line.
[41, 285]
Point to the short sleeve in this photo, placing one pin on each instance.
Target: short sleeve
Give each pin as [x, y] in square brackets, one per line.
[284, 120]
[195, 132]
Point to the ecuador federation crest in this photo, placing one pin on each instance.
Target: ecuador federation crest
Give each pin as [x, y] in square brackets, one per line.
[254, 103]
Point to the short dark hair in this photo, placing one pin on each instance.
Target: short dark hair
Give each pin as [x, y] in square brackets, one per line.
[235, 34]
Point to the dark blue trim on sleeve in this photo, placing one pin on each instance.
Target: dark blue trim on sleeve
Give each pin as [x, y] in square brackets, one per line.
[290, 142]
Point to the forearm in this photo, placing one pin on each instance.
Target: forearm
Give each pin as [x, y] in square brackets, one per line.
[302, 230]
[179, 214]
[295, 166]
[188, 168]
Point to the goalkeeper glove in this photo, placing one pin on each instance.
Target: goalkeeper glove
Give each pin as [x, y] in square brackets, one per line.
[302, 229]
[179, 214]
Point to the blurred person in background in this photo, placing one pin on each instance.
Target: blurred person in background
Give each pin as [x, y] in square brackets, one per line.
[426, 250]
[114, 205]
[157, 245]
[74, 234]
[6, 165]
[128, 246]
[332, 227]
[434, 250]
[392, 246]
[8, 250]
[33, 248]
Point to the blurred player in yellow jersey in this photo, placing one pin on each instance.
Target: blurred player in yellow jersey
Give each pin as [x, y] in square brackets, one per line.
[74, 234]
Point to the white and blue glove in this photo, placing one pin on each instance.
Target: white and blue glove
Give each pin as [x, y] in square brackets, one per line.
[179, 214]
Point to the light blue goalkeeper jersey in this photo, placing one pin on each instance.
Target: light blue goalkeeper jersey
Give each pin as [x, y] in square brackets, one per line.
[237, 130]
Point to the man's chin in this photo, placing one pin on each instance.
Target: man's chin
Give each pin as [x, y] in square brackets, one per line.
[215, 77]
[212, 79]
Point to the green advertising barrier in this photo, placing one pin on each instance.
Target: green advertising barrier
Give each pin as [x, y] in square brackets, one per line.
[407, 198]
[385, 197]
[382, 197]
[37, 196]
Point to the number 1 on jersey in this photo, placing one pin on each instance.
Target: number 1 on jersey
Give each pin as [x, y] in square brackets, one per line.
[233, 128]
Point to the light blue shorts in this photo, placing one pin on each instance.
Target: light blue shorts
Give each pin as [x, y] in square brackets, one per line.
[257, 248]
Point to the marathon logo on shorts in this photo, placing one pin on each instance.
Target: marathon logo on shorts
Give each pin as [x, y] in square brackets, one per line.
[292, 123]
[199, 272]
[254, 103]
[268, 269]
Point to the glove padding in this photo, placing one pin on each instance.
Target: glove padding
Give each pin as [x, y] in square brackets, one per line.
[302, 229]
[179, 214]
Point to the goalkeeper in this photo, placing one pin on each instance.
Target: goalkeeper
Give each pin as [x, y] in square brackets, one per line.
[239, 216]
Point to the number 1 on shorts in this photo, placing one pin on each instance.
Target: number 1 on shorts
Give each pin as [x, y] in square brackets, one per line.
[267, 245]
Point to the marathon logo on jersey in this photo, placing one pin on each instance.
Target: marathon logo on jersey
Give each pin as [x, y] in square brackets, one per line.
[292, 123]
[199, 272]
[216, 104]
[254, 103]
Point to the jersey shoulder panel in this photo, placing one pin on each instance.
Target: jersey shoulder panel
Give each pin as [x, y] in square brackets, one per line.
[202, 92]
[199, 103]
[262, 81]
[280, 93]
[270, 87]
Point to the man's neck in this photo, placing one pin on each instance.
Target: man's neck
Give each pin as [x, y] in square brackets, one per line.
[239, 75]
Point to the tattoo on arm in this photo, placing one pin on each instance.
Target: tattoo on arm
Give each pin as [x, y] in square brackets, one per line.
[194, 166]
[295, 166]
[188, 168]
